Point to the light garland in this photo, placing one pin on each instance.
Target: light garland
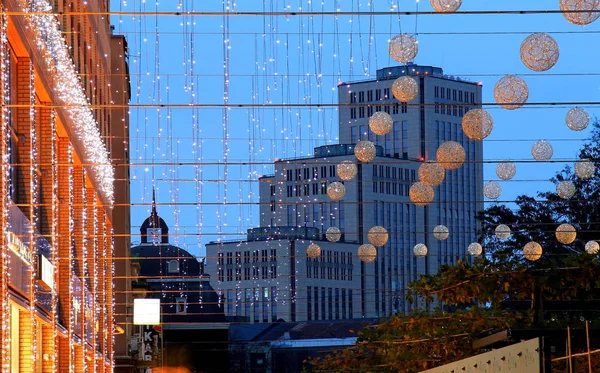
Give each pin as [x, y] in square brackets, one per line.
[54, 253]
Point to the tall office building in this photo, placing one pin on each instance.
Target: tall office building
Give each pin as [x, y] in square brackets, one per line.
[63, 145]
[296, 194]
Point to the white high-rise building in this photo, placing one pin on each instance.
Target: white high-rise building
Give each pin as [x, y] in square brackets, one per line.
[295, 196]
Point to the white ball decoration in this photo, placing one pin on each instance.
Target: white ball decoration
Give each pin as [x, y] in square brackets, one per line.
[475, 249]
[592, 247]
[313, 251]
[403, 48]
[346, 170]
[451, 155]
[431, 173]
[367, 253]
[542, 150]
[333, 234]
[539, 51]
[365, 151]
[441, 232]
[381, 123]
[532, 251]
[566, 233]
[421, 194]
[492, 189]
[511, 92]
[336, 190]
[405, 88]
[446, 6]
[502, 231]
[577, 119]
[377, 236]
[565, 189]
[506, 170]
[477, 124]
[420, 250]
[585, 169]
[588, 11]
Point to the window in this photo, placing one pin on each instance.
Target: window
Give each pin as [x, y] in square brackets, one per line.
[386, 108]
[353, 113]
[173, 266]
[404, 108]
[180, 305]
[370, 95]
[378, 94]
[386, 93]
[442, 92]
[289, 191]
[272, 190]
[436, 92]
[369, 110]
[352, 97]
[306, 172]
[395, 108]
[361, 112]
[361, 96]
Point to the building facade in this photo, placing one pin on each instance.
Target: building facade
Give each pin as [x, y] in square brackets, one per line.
[60, 77]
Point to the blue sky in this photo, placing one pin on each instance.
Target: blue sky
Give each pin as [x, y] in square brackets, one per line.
[189, 155]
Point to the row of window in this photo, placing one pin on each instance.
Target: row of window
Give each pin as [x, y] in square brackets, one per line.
[331, 256]
[454, 110]
[258, 304]
[360, 95]
[307, 173]
[250, 273]
[343, 273]
[395, 173]
[454, 94]
[265, 256]
[328, 303]
[394, 143]
[395, 189]
[395, 109]
[305, 190]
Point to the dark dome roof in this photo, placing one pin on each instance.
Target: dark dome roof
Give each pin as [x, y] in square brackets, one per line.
[154, 260]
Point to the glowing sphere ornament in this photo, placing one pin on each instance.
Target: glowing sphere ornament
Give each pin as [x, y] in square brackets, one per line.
[577, 119]
[475, 249]
[336, 190]
[506, 170]
[585, 169]
[381, 123]
[477, 124]
[367, 253]
[446, 6]
[365, 151]
[502, 231]
[405, 88]
[346, 170]
[441, 232]
[492, 189]
[542, 150]
[403, 48]
[592, 247]
[566, 233]
[532, 251]
[313, 251]
[431, 174]
[333, 234]
[539, 51]
[565, 189]
[421, 194]
[420, 250]
[378, 236]
[511, 92]
[451, 155]
[587, 11]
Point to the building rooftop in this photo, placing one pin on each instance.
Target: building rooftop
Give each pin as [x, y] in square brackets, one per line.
[394, 72]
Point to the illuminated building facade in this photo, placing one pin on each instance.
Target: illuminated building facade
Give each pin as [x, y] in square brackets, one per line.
[64, 90]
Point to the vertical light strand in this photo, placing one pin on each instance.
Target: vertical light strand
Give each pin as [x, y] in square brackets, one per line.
[33, 216]
[54, 236]
[111, 249]
[95, 297]
[84, 271]
[71, 257]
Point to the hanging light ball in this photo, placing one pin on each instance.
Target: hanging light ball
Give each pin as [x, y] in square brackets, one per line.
[492, 189]
[506, 170]
[365, 151]
[333, 234]
[532, 251]
[405, 88]
[566, 233]
[403, 48]
[346, 170]
[592, 247]
[511, 92]
[585, 169]
[420, 250]
[336, 190]
[475, 249]
[565, 189]
[441, 232]
[377, 236]
[539, 51]
[431, 173]
[542, 150]
[588, 11]
[446, 6]
[381, 123]
[477, 124]
[502, 231]
[577, 119]
[313, 251]
[367, 253]
[451, 155]
[421, 194]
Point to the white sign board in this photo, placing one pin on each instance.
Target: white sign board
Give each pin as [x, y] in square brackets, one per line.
[146, 311]
[518, 358]
[46, 272]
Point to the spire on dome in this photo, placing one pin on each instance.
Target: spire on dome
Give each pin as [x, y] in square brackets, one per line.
[154, 222]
